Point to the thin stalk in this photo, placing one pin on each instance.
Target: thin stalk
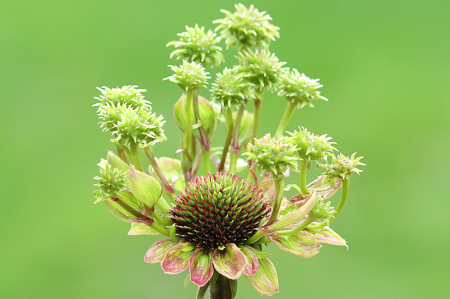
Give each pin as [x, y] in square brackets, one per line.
[133, 153]
[257, 111]
[263, 240]
[196, 164]
[158, 228]
[258, 235]
[229, 122]
[279, 188]
[235, 147]
[161, 220]
[221, 289]
[151, 159]
[206, 160]
[318, 226]
[121, 153]
[290, 109]
[345, 188]
[233, 161]
[128, 208]
[163, 205]
[188, 128]
[293, 231]
[302, 182]
[204, 141]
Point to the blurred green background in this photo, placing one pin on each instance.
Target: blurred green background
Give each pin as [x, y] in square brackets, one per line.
[385, 68]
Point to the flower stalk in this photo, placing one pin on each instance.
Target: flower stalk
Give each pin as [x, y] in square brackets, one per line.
[290, 109]
[230, 126]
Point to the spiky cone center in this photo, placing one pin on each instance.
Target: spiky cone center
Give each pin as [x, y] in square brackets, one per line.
[217, 209]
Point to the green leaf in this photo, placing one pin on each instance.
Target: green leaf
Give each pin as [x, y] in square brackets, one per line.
[144, 187]
[234, 287]
[214, 277]
[141, 229]
[202, 291]
[116, 162]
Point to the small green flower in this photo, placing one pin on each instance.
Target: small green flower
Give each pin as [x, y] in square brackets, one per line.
[273, 156]
[110, 181]
[261, 68]
[197, 45]
[246, 27]
[342, 167]
[128, 94]
[300, 89]
[230, 89]
[322, 210]
[311, 146]
[189, 76]
[131, 126]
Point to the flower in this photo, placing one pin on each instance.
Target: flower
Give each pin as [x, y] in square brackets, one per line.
[342, 167]
[213, 217]
[128, 94]
[246, 27]
[197, 45]
[311, 146]
[189, 76]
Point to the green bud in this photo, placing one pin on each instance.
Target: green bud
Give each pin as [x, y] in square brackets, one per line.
[197, 45]
[341, 167]
[129, 95]
[273, 156]
[311, 146]
[145, 188]
[205, 110]
[128, 125]
[300, 89]
[189, 76]
[230, 89]
[116, 162]
[246, 27]
[110, 181]
[261, 68]
[322, 210]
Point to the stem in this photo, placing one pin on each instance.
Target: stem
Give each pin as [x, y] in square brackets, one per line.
[263, 240]
[196, 165]
[235, 147]
[159, 228]
[302, 183]
[121, 153]
[221, 289]
[161, 220]
[151, 159]
[277, 201]
[304, 224]
[203, 138]
[345, 187]
[256, 113]
[162, 204]
[229, 121]
[258, 235]
[318, 226]
[133, 153]
[206, 160]
[285, 120]
[188, 128]
[233, 161]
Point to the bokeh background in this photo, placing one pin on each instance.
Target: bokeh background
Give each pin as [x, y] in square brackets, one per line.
[385, 68]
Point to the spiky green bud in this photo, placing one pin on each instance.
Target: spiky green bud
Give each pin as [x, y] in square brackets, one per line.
[197, 45]
[342, 167]
[129, 95]
[246, 27]
[300, 89]
[230, 89]
[311, 146]
[131, 126]
[322, 210]
[110, 181]
[189, 76]
[218, 209]
[261, 68]
[273, 156]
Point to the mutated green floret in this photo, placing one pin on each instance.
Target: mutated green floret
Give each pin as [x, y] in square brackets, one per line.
[342, 167]
[189, 76]
[129, 95]
[311, 146]
[110, 181]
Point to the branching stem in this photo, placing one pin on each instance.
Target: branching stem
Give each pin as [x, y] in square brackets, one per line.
[290, 109]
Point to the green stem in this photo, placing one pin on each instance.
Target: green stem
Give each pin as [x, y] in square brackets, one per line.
[279, 188]
[161, 220]
[163, 205]
[258, 235]
[263, 240]
[133, 153]
[290, 109]
[235, 147]
[159, 228]
[188, 128]
[345, 188]
[121, 153]
[221, 289]
[318, 226]
[151, 159]
[302, 183]
[304, 224]
[206, 160]
[233, 161]
[204, 141]
[229, 122]
[257, 102]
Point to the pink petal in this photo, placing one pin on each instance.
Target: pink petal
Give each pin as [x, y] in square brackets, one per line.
[201, 268]
[157, 251]
[177, 259]
[329, 236]
[229, 262]
[265, 281]
[252, 261]
[302, 244]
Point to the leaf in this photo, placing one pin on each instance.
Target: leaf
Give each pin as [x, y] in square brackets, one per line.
[229, 262]
[301, 244]
[176, 260]
[116, 162]
[144, 187]
[234, 287]
[265, 281]
[202, 291]
[141, 229]
[157, 251]
[214, 277]
[201, 268]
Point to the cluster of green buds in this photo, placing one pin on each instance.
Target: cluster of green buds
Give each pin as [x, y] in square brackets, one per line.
[208, 202]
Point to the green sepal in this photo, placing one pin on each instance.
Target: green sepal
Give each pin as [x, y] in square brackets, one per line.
[118, 212]
[141, 229]
[116, 162]
[214, 278]
[145, 188]
[202, 291]
[234, 287]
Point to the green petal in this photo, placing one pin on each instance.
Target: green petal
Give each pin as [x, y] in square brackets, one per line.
[229, 262]
[176, 259]
[201, 268]
[302, 244]
[329, 236]
[252, 261]
[141, 229]
[265, 281]
[158, 251]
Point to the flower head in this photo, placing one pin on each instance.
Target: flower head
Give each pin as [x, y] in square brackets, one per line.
[197, 45]
[261, 68]
[131, 126]
[342, 167]
[300, 89]
[110, 181]
[246, 27]
[129, 95]
[189, 76]
[230, 89]
[311, 146]
[273, 156]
